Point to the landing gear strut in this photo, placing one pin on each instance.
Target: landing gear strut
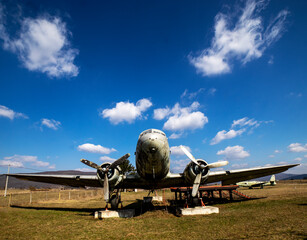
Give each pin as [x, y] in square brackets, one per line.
[115, 200]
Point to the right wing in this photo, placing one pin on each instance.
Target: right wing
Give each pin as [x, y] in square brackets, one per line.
[69, 180]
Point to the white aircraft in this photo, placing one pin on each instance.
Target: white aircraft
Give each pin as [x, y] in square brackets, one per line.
[251, 184]
[152, 159]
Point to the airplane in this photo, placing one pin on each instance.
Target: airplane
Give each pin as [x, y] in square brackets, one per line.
[152, 158]
[251, 184]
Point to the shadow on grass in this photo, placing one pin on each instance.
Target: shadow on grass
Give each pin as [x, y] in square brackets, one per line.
[140, 207]
[64, 209]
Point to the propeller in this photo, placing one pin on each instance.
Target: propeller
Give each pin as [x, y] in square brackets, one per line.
[200, 164]
[105, 170]
[91, 164]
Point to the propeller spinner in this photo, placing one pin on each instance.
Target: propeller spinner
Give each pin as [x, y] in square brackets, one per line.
[197, 180]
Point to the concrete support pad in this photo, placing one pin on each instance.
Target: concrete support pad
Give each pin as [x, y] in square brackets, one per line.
[199, 210]
[123, 213]
[157, 198]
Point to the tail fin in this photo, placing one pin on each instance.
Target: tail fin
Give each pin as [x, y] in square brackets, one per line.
[272, 180]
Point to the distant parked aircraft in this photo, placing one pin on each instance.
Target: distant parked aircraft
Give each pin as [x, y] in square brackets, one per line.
[152, 158]
[251, 184]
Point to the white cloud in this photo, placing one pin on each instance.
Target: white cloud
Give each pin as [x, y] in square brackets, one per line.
[89, 147]
[244, 40]
[245, 122]
[222, 135]
[277, 151]
[186, 121]
[40, 164]
[175, 135]
[176, 150]
[161, 113]
[86, 169]
[42, 45]
[126, 111]
[50, 123]
[297, 147]
[181, 119]
[179, 165]
[11, 163]
[234, 153]
[107, 159]
[305, 156]
[271, 156]
[52, 166]
[242, 125]
[22, 158]
[212, 91]
[268, 165]
[19, 160]
[191, 95]
[298, 159]
[236, 165]
[9, 113]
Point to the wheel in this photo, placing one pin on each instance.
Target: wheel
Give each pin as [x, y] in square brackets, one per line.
[114, 201]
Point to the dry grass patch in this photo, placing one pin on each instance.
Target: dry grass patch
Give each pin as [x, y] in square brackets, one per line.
[281, 214]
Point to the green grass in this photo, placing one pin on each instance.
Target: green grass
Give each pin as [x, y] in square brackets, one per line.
[279, 215]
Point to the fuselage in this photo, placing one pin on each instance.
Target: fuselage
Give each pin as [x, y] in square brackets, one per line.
[152, 156]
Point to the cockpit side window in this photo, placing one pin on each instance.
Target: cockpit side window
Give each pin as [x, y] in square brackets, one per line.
[145, 132]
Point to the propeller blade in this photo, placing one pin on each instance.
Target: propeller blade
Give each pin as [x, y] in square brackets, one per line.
[106, 187]
[90, 164]
[196, 185]
[189, 155]
[119, 161]
[217, 164]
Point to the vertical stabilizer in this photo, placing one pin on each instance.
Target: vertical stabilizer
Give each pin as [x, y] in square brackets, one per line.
[272, 180]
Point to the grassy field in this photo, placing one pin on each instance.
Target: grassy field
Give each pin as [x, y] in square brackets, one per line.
[279, 212]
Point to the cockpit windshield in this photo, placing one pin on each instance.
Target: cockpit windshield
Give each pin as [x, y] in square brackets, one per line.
[152, 131]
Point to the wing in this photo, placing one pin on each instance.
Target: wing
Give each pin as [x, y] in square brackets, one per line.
[234, 176]
[226, 177]
[257, 184]
[69, 180]
[172, 180]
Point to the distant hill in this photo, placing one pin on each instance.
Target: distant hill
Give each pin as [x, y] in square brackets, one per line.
[18, 183]
[283, 176]
[296, 177]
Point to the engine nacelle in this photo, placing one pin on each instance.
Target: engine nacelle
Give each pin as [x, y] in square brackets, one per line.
[114, 175]
[191, 170]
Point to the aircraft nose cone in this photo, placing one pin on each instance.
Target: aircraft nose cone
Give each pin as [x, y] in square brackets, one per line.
[151, 146]
[153, 150]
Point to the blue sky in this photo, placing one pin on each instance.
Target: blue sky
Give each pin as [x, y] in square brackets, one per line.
[82, 79]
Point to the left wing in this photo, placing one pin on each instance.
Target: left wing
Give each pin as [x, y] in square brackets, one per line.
[234, 176]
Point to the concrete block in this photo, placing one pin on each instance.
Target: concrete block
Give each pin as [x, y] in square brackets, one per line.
[123, 213]
[199, 210]
[157, 198]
